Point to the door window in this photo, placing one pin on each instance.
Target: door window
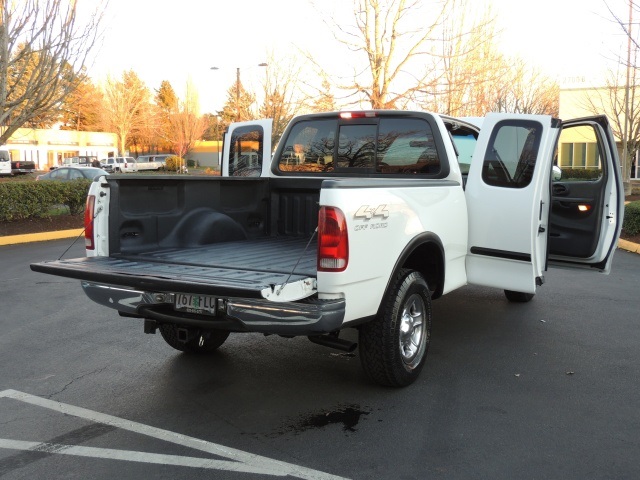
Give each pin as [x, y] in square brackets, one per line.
[511, 156]
[245, 151]
[579, 155]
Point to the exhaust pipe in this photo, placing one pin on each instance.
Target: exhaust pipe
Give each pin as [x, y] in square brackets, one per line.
[332, 341]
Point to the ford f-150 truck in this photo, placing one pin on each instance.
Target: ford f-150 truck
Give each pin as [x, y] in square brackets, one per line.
[359, 219]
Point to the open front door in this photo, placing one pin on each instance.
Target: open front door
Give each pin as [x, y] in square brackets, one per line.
[246, 150]
[519, 218]
[508, 201]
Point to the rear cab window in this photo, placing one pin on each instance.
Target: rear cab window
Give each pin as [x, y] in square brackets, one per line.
[370, 144]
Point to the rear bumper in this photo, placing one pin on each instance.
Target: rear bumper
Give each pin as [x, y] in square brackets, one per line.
[234, 314]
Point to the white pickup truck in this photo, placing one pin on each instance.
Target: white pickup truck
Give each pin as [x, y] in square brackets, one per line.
[360, 219]
[5, 162]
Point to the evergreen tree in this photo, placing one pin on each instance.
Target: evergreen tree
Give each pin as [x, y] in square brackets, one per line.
[166, 98]
[325, 102]
[83, 108]
[239, 104]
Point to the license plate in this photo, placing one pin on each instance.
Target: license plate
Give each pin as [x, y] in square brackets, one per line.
[201, 304]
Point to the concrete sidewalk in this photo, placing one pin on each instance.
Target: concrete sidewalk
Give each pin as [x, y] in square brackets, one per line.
[43, 237]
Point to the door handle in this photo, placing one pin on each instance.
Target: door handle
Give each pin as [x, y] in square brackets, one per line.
[559, 189]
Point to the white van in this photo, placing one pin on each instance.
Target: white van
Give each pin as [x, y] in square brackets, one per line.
[119, 165]
[5, 162]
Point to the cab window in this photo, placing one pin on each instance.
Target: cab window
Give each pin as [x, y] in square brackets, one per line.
[403, 146]
[309, 147]
[406, 146]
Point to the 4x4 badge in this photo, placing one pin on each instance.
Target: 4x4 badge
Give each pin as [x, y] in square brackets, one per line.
[365, 211]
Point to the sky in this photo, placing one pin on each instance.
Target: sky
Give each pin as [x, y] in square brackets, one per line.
[181, 40]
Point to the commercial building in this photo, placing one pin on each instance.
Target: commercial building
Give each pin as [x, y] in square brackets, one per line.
[580, 99]
[48, 148]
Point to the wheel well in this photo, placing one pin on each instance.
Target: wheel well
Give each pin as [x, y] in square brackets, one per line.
[427, 259]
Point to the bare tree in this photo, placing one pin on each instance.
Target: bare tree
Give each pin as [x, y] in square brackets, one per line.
[466, 65]
[395, 48]
[280, 102]
[186, 125]
[624, 118]
[44, 45]
[524, 89]
[619, 97]
[127, 100]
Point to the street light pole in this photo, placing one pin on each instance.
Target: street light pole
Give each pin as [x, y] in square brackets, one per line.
[263, 64]
[237, 94]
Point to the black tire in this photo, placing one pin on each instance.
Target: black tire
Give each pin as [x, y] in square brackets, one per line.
[206, 342]
[389, 356]
[518, 297]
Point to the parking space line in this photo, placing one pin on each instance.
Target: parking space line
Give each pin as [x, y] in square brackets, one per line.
[133, 456]
[259, 463]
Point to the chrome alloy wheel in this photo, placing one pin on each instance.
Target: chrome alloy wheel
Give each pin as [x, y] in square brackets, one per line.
[412, 331]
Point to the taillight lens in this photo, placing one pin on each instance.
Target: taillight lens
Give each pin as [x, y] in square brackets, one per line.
[89, 242]
[333, 240]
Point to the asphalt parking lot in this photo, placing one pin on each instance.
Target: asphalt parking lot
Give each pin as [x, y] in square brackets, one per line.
[543, 390]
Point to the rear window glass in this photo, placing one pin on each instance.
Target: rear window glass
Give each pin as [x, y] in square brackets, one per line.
[385, 146]
[406, 146]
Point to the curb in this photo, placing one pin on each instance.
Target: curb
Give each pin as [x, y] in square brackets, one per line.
[629, 246]
[40, 237]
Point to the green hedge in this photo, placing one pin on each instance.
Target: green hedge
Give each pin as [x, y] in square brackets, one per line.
[631, 224]
[20, 200]
[580, 174]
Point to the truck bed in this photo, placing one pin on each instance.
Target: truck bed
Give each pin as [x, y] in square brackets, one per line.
[239, 268]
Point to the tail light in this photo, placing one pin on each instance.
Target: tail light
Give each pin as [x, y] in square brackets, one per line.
[333, 240]
[89, 242]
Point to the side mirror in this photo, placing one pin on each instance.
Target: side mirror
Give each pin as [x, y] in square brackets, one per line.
[556, 173]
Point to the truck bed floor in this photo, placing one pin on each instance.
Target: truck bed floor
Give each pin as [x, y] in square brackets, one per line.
[240, 268]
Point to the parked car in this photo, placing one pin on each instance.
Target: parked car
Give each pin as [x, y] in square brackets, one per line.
[163, 158]
[119, 165]
[65, 174]
[82, 161]
[150, 162]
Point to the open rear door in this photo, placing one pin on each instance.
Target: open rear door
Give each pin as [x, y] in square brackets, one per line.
[246, 150]
[508, 201]
[518, 218]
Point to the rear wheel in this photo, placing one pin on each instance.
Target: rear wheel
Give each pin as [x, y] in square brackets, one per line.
[518, 297]
[394, 345]
[192, 340]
